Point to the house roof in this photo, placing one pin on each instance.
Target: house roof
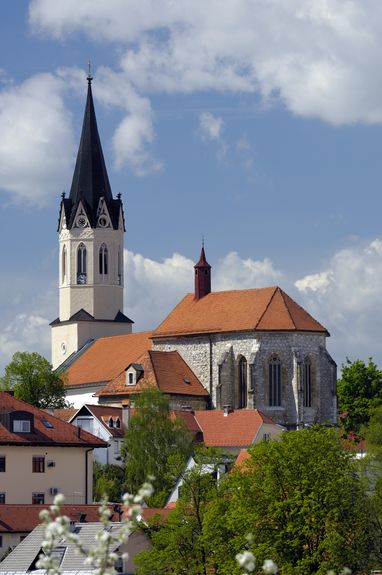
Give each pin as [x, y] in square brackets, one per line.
[103, 413]
[24, 518]
[106, 358]
[242, 458]
[165, 370]
[237, 429]
[48, 430]
[263, 309]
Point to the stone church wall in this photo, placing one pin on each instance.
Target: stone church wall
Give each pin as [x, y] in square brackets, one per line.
[214, 358]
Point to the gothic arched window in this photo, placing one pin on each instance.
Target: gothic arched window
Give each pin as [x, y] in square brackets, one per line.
[274, 381]
[81, 264]
[242, 383]
[103, 260]
[119, 267]
[63, 265]
[307, 382]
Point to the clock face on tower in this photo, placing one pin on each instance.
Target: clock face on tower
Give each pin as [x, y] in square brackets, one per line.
[102, 221]
[63, 347]
[81, 221]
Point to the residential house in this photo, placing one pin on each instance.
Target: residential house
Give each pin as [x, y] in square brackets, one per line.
[41, 455]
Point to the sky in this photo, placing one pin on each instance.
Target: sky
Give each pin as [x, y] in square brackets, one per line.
[256, 125]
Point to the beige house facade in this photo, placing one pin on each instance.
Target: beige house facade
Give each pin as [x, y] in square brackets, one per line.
[41, 455]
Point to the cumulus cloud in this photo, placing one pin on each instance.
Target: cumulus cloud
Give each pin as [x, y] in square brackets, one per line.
[347, 296]
[319, 58]
[211, 128]
[35, 127]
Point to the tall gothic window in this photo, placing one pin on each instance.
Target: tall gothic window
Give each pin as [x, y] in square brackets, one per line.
[307, 382]
[63, 266]
[274, 381]
[103, 260]
[119, 266]
[81, 264]
[242, 383]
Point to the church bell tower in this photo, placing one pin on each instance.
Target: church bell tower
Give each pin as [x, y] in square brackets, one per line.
[91, 229]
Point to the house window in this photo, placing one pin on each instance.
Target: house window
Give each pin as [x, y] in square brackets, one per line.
[307, 382]
[81, 264]
[111, 422]
[118, 423]
[38, 465]
[131, 378]
[275, 382]
[1, 540]
[2, 463]
[242, 383]
[103, 260]
[21, 426]
[38, 498]
[2, 498]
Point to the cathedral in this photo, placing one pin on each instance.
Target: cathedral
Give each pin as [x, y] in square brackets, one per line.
[238, 349]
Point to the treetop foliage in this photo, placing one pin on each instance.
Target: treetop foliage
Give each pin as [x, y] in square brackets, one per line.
[32, 379]
[359, 391]
[156, 444]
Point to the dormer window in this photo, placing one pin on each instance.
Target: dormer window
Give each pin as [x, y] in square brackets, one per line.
[111, 422]
[133, 373]
[118, 423]
[21, 426]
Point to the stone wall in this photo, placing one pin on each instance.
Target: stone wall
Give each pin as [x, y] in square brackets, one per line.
[214, 358]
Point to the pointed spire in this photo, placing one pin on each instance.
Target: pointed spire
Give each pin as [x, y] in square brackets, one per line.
[202, 275]
[90, 179]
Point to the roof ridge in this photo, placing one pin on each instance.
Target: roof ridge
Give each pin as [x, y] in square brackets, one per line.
[267, 306]
[287, 307]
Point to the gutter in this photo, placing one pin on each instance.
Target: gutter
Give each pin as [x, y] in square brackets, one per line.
[86, 475]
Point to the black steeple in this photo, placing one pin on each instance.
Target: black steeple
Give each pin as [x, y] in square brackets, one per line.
[90, 180]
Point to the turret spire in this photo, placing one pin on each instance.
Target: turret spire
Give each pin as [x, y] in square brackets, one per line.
[202, 275]
[90, 179]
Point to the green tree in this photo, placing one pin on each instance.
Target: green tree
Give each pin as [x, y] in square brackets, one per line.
[108, 481]
[359, 392]
[303, 503]
[178, 544]
[32, 379]
[156, 444]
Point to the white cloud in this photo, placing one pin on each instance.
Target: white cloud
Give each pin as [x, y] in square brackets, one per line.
[318, 57]
[35, 127]
[347, 297]
[211, 126]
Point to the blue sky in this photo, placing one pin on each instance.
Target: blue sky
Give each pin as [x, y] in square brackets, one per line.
[257, 125]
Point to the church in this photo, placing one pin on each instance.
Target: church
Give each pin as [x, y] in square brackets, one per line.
[239, 349]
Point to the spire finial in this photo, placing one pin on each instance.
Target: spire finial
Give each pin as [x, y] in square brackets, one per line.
[203, 242]
[90, 77]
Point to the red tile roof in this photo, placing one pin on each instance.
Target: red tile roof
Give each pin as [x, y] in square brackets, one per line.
[165, 370]
[24, 518]
[106, 358]
[237, 429]
[264, 309]
[60, 434]
[242, 458]
[65, 414]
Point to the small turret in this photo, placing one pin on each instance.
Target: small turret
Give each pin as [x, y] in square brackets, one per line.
[202, 276]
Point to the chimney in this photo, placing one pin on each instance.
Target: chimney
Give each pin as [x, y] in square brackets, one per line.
[125, 414]
[227, 410]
